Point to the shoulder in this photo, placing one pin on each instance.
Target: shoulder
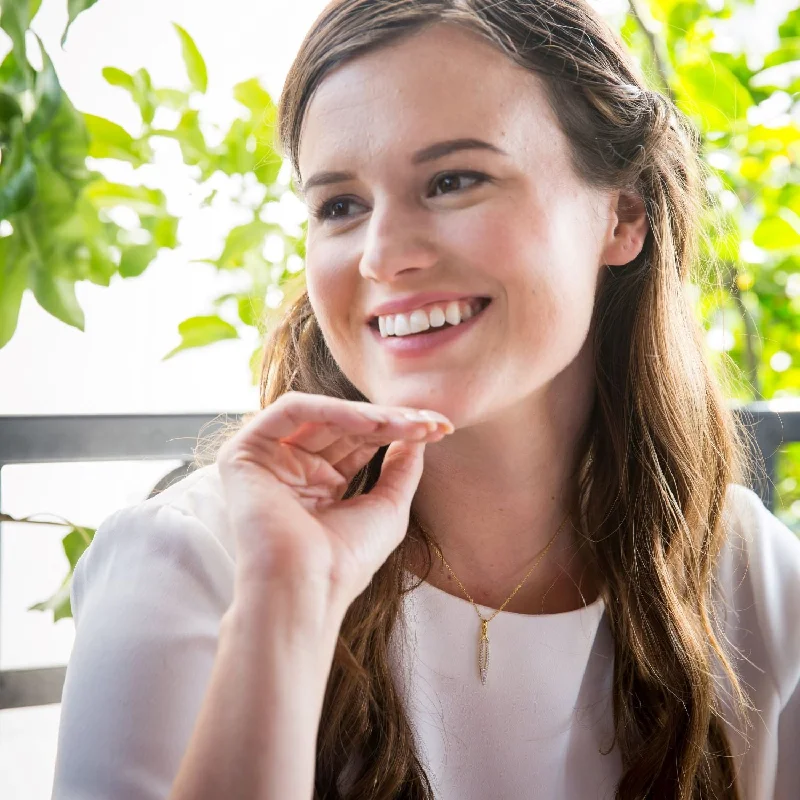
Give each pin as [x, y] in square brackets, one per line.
[179, 537]
[759, 578]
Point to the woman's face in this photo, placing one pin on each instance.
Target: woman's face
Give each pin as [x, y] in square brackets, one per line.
[435, 169]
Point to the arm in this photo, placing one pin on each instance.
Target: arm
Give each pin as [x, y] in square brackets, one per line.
[148, 597]
[257, 730]
[169, 677]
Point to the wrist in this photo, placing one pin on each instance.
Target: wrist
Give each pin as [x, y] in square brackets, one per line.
[296, 625]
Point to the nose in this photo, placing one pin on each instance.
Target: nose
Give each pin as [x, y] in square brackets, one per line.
[397, 243]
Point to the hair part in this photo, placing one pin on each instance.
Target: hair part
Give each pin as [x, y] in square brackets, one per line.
[655, 460]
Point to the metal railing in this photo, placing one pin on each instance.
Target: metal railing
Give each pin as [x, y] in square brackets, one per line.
[44, 439]
[111, 437]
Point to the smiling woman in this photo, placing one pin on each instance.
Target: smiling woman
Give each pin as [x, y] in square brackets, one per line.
[361, 599]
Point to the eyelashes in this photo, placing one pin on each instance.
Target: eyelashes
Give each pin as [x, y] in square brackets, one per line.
[333, 209]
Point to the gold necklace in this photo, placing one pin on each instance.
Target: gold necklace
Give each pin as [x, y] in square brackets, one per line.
[483, 638]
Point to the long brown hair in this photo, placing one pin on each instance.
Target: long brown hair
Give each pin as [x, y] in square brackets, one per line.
[660, 447]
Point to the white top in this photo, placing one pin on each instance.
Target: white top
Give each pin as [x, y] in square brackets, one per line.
[148, 597]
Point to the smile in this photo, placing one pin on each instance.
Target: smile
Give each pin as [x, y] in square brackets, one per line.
[433, 326]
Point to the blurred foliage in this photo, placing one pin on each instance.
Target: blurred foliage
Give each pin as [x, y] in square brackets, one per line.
[745, 105]
[57, 225]
[57, 212]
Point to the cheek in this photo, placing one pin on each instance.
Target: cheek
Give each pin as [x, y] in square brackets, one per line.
[328, 289]
[334, 297]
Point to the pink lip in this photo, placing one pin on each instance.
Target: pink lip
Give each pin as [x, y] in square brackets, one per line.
[413, 301]
[421, 344]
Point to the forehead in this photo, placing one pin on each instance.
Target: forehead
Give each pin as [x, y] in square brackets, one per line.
[443, 83]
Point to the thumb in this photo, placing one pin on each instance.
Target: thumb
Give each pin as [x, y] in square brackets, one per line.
[400, 473]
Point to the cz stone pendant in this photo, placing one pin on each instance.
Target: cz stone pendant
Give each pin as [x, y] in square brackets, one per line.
[483, 651]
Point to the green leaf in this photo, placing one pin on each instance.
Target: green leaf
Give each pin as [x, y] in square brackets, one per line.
[65, 143]
[141, 199]
[201, 331]
[13, 76]
[118, 77]
[75, 7]
[256, 361]
[18, 189]
[778, 232]
[57, 296]
[251, 94]
[251, 309]
[195, 65]
[268, 167]
[711, 91]
[190, 138]
[9, 108]
[143, 95]
[109, 140]
[164, 230]
[59, 603]
[240, 240]
[136, 259]
[48, 94]
[140, 87]
[15, 19]
[75, 545]
[13, 282]
[172, 98]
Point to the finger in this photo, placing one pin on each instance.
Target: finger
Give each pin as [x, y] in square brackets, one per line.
[350, 454]
[294, 409]
[400, 473]
[349, 466]
[335, 441]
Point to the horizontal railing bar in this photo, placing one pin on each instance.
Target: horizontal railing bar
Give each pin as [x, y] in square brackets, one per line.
[23, 688]
[108, 437]
[103, 437]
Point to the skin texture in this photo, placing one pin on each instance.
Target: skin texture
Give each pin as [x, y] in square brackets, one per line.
[530, 234]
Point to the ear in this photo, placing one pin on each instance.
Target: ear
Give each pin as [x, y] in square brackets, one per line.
[627, 228]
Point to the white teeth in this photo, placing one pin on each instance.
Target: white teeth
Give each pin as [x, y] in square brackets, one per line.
[454, 312]
[419, 321]
[401, 326]
[437, 317]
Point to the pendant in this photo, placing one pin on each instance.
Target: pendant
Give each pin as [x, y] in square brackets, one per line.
[483, 650]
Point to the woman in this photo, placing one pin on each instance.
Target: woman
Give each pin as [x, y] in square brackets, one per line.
[488, 536]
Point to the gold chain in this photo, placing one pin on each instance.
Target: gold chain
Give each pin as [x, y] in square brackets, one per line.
[483, 641]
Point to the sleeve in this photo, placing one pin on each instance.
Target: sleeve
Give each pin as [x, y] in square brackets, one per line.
[148, 596]
[774, 570]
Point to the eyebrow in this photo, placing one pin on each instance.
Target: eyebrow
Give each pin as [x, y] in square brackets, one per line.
[430, 153]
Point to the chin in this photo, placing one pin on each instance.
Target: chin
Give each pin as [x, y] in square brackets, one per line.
[442, 400]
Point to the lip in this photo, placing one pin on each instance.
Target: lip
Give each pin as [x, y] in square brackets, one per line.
[422, 344]
[411, 302]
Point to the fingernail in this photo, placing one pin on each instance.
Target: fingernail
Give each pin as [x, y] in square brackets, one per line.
[415, 416]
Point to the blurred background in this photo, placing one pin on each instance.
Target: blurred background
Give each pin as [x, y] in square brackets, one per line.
[149, 235]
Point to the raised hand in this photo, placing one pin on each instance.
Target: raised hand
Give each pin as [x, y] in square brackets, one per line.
[284, 475]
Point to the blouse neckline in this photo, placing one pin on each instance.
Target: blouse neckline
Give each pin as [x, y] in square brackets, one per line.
[593, 609]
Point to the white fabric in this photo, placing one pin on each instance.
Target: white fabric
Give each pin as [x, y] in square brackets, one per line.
[149, 594]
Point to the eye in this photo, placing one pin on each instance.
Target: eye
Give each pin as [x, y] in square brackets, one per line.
[451, 182]
[337, 208]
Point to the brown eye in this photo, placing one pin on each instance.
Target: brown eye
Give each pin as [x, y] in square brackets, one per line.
[339, 208]
[456, 181]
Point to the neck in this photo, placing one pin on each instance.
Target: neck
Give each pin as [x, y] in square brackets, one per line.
[492, 496]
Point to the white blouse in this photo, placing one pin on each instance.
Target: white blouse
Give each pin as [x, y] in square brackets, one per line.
[149, 594]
